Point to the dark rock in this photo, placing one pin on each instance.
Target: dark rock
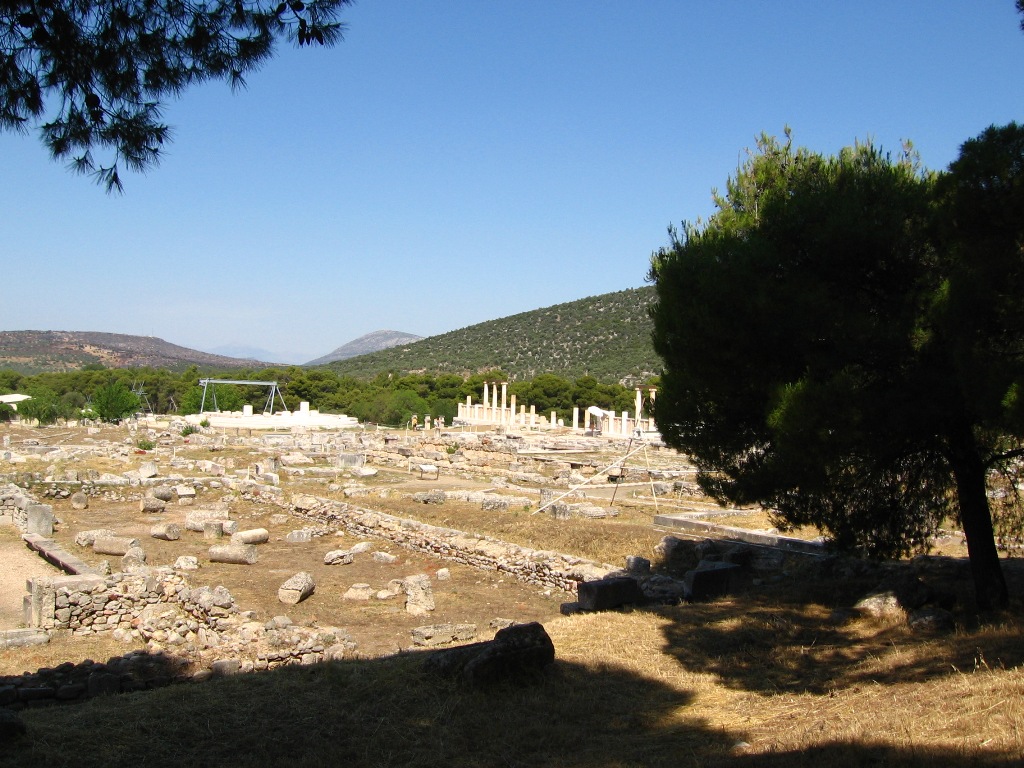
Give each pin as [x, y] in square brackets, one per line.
[709, 580]
[71, 691]
[739, 554]
[35, 693]
[608, 593]
[931, 619]
[911, 592]
[103, 683]
[516, 653]
[638, 566]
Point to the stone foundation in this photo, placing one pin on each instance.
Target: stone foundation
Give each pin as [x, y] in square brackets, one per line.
[533, 566]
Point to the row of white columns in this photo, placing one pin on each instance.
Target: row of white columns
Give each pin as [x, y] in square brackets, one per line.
[503, 412]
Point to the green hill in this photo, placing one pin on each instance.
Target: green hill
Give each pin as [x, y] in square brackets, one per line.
[607, 337]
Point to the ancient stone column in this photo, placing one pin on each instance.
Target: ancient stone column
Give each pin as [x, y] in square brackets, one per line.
[297, 588]
[237, 554]
[114, 545]
[251, 536]
[652, 392]
[151, 504]
[166, 531]
[639, 403]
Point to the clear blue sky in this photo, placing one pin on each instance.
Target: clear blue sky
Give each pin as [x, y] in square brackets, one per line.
[457, 161]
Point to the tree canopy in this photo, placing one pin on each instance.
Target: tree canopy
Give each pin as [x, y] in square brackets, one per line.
[114, 402]
[95, 73]
[842, 341]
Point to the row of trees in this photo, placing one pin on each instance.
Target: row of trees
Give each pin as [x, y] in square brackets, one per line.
[110, 402]
[388, 398]
[844, 342]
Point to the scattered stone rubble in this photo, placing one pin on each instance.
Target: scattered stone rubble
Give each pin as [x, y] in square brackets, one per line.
[157, 605]
[540, 567]
[182, 624]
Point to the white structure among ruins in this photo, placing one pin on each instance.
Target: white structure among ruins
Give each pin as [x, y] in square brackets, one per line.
[502, 413]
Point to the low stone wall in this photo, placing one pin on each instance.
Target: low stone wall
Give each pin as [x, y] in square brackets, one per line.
[13, 503]
[135, 671]
[19, 509]
[157, 605]
[540, 567]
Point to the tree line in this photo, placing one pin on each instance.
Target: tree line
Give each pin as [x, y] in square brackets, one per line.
[387, 398]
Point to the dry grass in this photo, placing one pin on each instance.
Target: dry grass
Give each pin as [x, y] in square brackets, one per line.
[752, 680]
[607, 540]
[62, 648]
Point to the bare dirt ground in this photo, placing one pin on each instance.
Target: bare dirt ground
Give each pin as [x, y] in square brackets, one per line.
[17, 563]
[379, 626]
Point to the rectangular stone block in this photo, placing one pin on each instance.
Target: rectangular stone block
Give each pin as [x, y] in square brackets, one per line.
[709, 580]
[19, 638]
[604, 594]
[39, 519]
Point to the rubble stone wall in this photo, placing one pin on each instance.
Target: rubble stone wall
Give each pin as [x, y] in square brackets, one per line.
[14, 504]
[541, 567]
[159, 606]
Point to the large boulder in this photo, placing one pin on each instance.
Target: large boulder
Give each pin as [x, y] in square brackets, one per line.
[516, 653]
[709, 580]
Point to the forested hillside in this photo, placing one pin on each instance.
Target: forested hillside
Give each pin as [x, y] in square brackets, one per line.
[607, 337]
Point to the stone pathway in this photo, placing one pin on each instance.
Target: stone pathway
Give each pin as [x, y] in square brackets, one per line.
[17, 564]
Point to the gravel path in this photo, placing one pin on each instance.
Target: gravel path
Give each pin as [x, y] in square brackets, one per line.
[17, 564]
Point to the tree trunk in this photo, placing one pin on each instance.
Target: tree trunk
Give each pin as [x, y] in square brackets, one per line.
[972, 495]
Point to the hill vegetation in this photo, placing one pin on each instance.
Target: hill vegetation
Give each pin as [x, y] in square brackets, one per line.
[32, 352]
[607, 337]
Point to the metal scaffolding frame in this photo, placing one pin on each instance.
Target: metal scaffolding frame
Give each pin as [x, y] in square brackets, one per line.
[267, 408]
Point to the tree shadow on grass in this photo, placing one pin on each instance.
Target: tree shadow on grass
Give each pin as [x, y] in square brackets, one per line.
[808, 640]
[390, 712]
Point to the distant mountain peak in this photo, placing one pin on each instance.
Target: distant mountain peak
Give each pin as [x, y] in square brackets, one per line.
[371, 342]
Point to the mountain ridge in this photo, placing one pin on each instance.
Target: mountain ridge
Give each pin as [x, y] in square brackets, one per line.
[374, 341]
[44, 351]
[607, 336]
